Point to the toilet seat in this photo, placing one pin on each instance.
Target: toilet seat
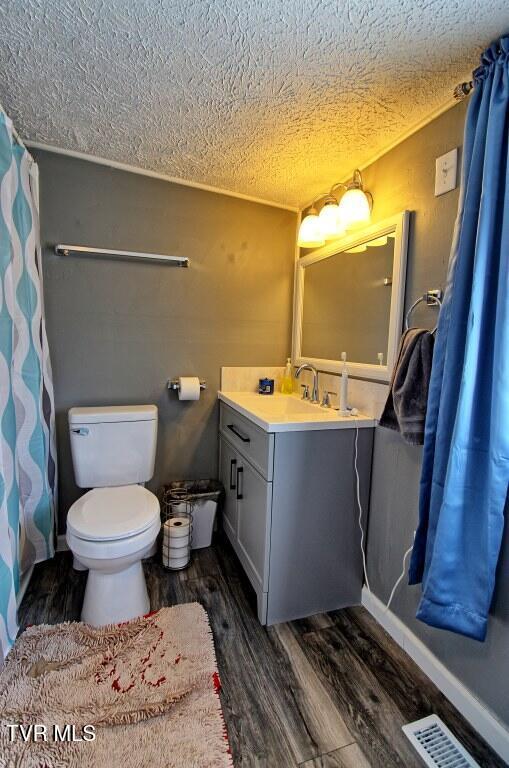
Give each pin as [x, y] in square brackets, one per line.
[113, 514]
[113, 549]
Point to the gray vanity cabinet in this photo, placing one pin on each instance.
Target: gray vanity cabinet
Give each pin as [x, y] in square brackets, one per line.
[246, 513]
[253, 531]
[228, 475]
[291, 513]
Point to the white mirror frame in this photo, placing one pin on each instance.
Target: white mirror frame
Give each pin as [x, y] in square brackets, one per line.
[399, 225]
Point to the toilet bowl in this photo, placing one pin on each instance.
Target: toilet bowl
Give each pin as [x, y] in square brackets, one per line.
[109, 531]
[112, 527]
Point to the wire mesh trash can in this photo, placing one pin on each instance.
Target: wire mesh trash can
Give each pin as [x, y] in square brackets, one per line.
[204, 497]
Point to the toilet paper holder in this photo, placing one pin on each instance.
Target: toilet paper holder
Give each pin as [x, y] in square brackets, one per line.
[175, 384]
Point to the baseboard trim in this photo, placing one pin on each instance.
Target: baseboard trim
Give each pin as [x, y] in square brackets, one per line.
[62, 543]
[478, 715]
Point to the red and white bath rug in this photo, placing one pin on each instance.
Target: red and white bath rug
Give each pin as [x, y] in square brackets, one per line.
[143, 693]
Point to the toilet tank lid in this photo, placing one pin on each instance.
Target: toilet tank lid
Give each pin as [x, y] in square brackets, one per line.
[112, 413]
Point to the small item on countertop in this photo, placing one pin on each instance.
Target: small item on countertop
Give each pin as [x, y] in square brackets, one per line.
[266, 386]
[287, 380]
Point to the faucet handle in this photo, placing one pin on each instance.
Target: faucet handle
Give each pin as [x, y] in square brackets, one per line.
[305, 394]
[326, 398]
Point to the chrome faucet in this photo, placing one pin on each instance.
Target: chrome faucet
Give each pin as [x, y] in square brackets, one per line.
[326, 403]
[308, 367]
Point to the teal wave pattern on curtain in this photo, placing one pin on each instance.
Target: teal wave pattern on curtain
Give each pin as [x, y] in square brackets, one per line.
[465, 470]
[27, 429]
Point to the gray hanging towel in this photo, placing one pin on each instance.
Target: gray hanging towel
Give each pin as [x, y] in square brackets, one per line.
[405, 409]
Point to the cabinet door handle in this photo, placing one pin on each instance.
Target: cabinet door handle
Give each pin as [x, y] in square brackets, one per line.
[240, 471]
[236, 431]
[233, 463]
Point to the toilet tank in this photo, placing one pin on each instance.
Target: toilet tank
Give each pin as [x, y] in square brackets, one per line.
[113, 445]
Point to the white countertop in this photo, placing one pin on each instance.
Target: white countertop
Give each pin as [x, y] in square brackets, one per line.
[289, 413]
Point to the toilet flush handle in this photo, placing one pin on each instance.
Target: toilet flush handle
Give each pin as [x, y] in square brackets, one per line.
[80, 431]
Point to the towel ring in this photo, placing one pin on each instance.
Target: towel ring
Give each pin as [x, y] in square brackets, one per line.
[431, 297]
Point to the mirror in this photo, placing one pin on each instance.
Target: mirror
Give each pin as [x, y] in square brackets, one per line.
[355, 320]
[349, 298]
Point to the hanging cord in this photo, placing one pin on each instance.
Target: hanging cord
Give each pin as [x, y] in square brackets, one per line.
[359, 504]
[402, 576]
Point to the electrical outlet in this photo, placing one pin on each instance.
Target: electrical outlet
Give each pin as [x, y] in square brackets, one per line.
[445, 172]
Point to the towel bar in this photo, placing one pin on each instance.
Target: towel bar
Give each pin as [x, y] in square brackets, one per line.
[108, 253]
[431, 298]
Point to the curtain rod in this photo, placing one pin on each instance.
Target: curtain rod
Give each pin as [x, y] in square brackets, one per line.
[462, 90]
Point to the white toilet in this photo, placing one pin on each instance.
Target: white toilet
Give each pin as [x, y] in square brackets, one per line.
[112, 527]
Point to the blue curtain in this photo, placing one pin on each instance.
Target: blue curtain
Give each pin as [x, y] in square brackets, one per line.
[27, 424]
[465, 470]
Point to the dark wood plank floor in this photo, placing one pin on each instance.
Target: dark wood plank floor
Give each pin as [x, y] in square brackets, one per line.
[325, 692]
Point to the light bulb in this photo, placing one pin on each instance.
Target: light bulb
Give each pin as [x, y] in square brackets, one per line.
[310, 231]
[378, 241]
[354, 208]
[357, 249]
[331, 222]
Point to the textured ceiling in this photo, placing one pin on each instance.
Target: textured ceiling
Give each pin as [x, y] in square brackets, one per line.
[271, 98]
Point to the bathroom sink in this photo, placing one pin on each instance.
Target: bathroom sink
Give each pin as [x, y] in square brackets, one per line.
[278, 405]
[287, 413]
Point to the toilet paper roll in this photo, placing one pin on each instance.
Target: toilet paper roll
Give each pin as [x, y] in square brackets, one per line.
[176, 527]
[178, 562]
[189, 388]
[179, 508]
[176, 554]
[181, 543]
[176, 542]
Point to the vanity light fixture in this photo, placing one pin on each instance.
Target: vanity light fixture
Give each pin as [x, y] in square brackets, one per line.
[351, 212]
[331, 221]
[355, 205]
[310, 230]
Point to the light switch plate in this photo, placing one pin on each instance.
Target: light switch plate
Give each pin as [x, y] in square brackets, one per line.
[445, 172]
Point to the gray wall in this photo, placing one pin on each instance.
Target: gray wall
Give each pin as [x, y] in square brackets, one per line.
[404, 178]
[118, 330]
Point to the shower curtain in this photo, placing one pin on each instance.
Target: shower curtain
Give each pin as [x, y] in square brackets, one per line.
[27, 448]
[465, 470]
